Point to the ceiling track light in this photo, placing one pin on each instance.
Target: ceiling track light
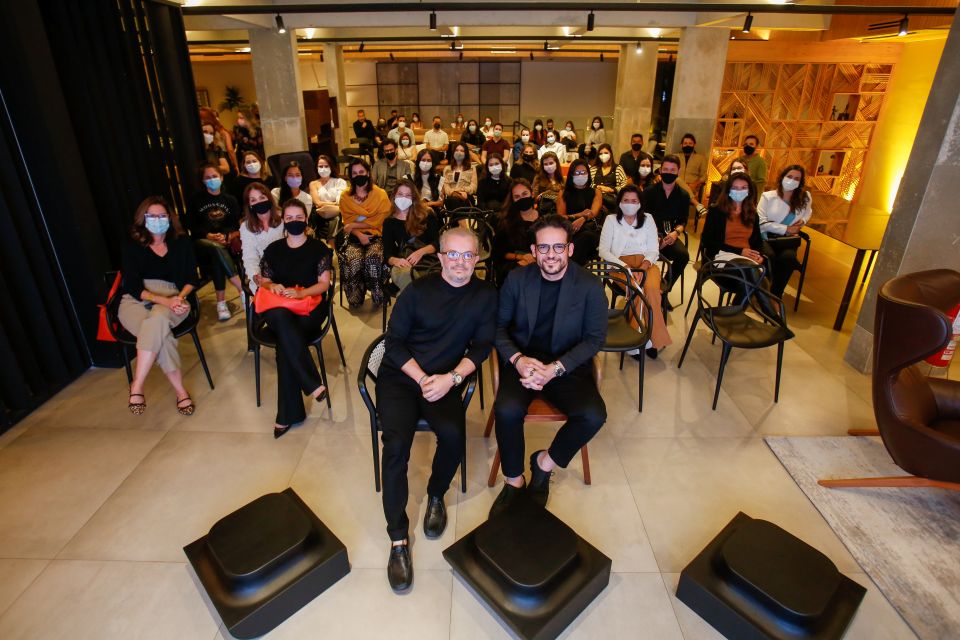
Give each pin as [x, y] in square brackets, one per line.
[433, 21]
[280, 27]
[531, 55]
[461, 55]
[545, 45]
[391, 56]
[591, 19]
[362, 45]
[639, 47]
[453, 45]
[747, 23]
[904, 26]
[601, 56]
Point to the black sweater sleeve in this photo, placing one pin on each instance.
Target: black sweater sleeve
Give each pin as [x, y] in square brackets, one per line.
[391, 240]
[139, 263]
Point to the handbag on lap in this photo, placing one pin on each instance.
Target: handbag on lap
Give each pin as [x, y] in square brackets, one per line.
[265, 300]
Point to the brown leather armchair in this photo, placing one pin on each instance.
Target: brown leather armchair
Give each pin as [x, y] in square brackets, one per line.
[918, 417]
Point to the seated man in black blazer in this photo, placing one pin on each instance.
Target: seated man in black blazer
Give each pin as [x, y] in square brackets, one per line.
[552, 320]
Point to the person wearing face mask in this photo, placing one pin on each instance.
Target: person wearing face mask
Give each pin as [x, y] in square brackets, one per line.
[526, 165]
[427, 180]
[214, 222]
[553, 145]
[568, 136]
[756, 166]
[548, 184]
[646, 178]
[493, 188]
[693, 166]
[607, 176]
[408, 148]
[580, 204]
[325, 192]
[459, 179]
[363, 208]
[389, 169]
[291, 181]
[519, 143]
[595, 137]
[296, 267]
[392, 120]
[549, 126]
[496, 144]
[366, 134]
[630, 159]
[261, 227]
[629, 239]
[538, 136]
[382, 130]
[737, 166]
[411, 236]
[732, 228]
[247, 136]
[512, 240]
[487, 129]
[669, 204]
[783, 212]
[458, 125]
[253, 170]
[213, 149]
[159, 271]
[400, 128]
[415, 122]
[436, 140]
[472, 137]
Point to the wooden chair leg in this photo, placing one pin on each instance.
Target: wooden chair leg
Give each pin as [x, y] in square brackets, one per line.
[490, 420]
[905, 482]
[585, 458]
[494, 469]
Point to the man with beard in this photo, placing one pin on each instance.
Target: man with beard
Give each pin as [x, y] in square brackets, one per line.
[551, 322]
[441, 331]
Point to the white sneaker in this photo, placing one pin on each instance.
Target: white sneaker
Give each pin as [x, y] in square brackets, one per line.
[223, 312]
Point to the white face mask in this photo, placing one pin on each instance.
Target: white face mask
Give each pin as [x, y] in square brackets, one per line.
[538, 127]
[425, 165]
[569, 128]
[403, 202]
[604, 157]
[629, 208]
[550, 168]
[789, 184]
[208, 138]
[580, 180]
[494, 169]
[253, 168]
[323, 172]
[525, 137]
[487, 123]
[644, 171]
[596, 125]
[551, 139]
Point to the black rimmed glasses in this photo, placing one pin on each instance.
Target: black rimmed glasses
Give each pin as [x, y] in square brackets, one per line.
[558, 248]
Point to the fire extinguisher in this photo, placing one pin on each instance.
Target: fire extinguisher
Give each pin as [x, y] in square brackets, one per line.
[942, 359]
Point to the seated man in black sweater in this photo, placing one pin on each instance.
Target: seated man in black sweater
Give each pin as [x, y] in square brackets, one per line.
[441, 331]
[551, 322]
[669, 204]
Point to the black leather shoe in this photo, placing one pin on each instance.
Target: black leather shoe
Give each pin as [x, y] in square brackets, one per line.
[435, 519]
[652, 353]
[508, 496]
[279, 431]
[539, 488]
[667, 304]
[400, 568]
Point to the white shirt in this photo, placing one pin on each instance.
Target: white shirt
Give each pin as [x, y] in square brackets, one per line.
[304, 197]
[331, 191]
[427, 193]
[556, 147]
[617, 238]
[436, 138]
[407, 153]
[772, 210]
[564, 134]
[254, 244]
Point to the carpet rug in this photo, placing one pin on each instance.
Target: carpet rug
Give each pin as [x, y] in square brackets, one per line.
[907, 540]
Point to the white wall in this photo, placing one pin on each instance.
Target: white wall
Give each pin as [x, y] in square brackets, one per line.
[568, 90]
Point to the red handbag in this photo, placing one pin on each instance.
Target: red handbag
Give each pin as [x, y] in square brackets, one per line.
[266, 300]
[103, 328]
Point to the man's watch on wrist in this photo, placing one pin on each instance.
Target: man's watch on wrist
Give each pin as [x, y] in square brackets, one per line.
[457, 378]
[558, 369]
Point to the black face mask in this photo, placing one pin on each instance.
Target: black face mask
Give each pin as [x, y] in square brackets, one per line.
[668, 178]
[523, 204]
[361, 181]
[687, 149]
[529, 157]
[749, 149]
[636, 146]
[261, 207]
[389, 155]
[295, 227]
[436, 125]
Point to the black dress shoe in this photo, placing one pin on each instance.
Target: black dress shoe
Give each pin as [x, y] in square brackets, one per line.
[508, 496]
[435, 519]
[279, 431]
[667, 304]
[539, 488]
[652, 353]
[400, 568]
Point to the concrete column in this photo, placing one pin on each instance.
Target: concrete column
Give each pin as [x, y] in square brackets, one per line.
[633, 103]
[923, 232]
[276, 74]
[337, 88]
[701, 58]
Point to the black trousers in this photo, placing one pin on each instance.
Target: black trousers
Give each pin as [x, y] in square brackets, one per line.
[678, 254]
[575, 394]
[220, 261]
[296, 371]
[401, 405]
[782, 256]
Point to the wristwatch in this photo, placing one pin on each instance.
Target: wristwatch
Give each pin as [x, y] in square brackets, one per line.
[457, 378]
[558, 369]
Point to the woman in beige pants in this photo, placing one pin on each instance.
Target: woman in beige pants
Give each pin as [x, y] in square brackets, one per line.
[159, 272]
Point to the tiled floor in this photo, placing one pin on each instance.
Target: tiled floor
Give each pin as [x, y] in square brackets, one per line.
[96, 504]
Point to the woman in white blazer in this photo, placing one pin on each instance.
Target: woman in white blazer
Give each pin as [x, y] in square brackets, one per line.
[783, 212]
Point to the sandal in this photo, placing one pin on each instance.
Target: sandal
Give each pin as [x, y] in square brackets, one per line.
[322, 396]
[137, 408]
[186, 410]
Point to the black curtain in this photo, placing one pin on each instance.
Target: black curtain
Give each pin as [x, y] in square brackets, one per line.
[98, 111]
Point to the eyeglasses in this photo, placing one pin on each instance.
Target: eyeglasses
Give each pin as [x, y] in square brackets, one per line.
[155, 216]
[558, 248]
[456, 255]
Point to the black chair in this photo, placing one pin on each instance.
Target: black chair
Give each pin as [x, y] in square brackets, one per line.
[805, 240]
[260, 335]
[621, 336]
[732, 323]
[126, 340]
[369, 368]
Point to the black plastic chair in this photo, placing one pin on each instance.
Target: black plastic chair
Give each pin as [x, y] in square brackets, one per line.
[805, 240]
[125, 339]
[369, 368]
[731, 323]
[621, 336]
[261, 335]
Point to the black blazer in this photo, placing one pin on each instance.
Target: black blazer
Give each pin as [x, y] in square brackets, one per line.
[580, 325]
[715, 232]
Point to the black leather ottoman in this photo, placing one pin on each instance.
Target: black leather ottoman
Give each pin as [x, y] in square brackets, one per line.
[265, 561]
[757, 581]
[534, 571]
